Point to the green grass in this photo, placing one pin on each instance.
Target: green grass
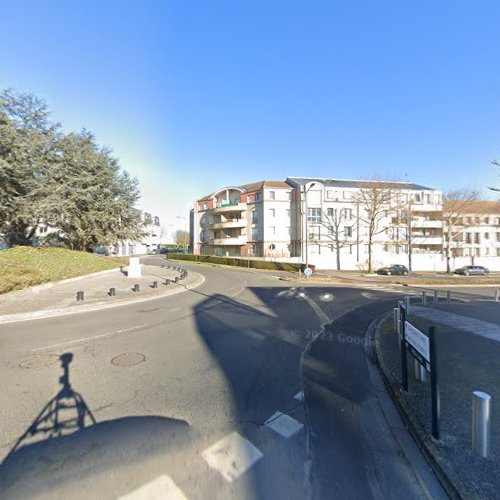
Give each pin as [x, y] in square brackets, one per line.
[22, 267]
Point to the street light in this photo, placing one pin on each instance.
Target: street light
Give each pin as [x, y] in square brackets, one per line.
[185, 231]
[306, 214]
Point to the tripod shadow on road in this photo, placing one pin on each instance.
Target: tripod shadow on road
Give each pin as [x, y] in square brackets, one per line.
[64, 414]
[65, 445]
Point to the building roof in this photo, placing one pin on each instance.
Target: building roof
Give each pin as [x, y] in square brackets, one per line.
[356, 183]
[253, 186]
[477, 207]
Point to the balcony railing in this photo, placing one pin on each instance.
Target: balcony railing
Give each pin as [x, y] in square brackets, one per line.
[230, 240]
[228, 224]
[230, 207]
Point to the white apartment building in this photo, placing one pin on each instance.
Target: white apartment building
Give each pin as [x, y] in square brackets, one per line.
[334, 215]
[322, 222]
[476, 236]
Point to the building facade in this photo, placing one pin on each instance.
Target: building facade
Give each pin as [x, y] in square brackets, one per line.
[330, 223]
[474, 238]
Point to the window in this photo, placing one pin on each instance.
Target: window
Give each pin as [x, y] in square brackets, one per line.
[253, 249]
[251, 198]
[272, 246]
[314, 215]
[206, 206]
[255, 234]
[468, 238]
[147, 218]
[258, 196]
[272, 212]
[272, 195]
[347, 195]
[288, 213]
[428, 199]
[289, 196]
[498, 236]
[348, 231]
[347, 213]
[288, 230]
[330, 231]
[331, 195]
[272, 230]
[417, 197]
[42, 229]
[476, 238]
[486, 251]
[486, 236]
[330, 212]
[254, 217]
[486, 220]
[313, 233]
[157, 221]
[498, 252]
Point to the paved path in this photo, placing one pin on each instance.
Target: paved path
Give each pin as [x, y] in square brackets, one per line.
[199, 394]
[469, 321]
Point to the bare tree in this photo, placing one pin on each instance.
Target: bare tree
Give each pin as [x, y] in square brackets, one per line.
[335, 220]
[376, 200]
[456, 204]
[495, 163]
[181, 238]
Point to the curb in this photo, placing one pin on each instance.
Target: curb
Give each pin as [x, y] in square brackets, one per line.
[447, 477]
[97, 306]
[45, 286]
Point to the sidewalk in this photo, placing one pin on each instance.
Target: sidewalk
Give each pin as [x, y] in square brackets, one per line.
[468, 352]
[54, 299]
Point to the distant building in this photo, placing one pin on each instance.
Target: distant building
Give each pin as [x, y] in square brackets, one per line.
[145, 245]
[476, 236]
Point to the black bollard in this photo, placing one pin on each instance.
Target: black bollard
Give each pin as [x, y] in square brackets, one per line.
[155, 284]
[112, 292]
[79, 296]
[167, 282]
[176, 280]
[136, 287]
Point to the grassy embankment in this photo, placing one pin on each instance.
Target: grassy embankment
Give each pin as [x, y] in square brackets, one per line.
[21, 267]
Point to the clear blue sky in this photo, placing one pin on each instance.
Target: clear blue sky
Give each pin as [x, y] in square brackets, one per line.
[194, 95]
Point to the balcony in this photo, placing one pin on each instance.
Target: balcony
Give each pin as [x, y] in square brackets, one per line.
[425, 207]
[231, 240]
[229, 207]
[427, 223]
[229, 224]
[426, 240]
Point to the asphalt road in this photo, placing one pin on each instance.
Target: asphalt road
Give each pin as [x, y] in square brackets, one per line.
[201, 389]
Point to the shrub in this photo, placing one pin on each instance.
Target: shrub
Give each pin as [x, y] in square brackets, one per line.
[234, 261]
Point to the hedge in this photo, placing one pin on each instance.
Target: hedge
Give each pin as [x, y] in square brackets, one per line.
[232, 261]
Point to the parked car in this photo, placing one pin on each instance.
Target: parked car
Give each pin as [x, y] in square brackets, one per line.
[472, 270]
[396, 269]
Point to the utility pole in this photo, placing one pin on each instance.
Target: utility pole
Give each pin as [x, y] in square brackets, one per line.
[409, 232]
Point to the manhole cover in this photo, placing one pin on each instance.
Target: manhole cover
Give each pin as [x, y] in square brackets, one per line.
[40, 361]
[128, 359]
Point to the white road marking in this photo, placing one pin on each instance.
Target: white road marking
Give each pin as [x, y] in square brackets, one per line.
[232, 456]
[86, 339]
[299, 396]
[161, 488]
[283, 424]
[319, 312]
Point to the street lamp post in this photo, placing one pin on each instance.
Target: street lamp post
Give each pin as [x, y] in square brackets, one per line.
[307, 235]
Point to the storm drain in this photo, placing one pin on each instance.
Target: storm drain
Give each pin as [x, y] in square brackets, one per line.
[128, 359]
[40, 361]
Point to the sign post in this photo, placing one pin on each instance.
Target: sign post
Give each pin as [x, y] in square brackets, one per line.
[404, 364]
[435, 400]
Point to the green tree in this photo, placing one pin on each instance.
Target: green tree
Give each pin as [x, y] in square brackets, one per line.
[28, 142]
[91, 198]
